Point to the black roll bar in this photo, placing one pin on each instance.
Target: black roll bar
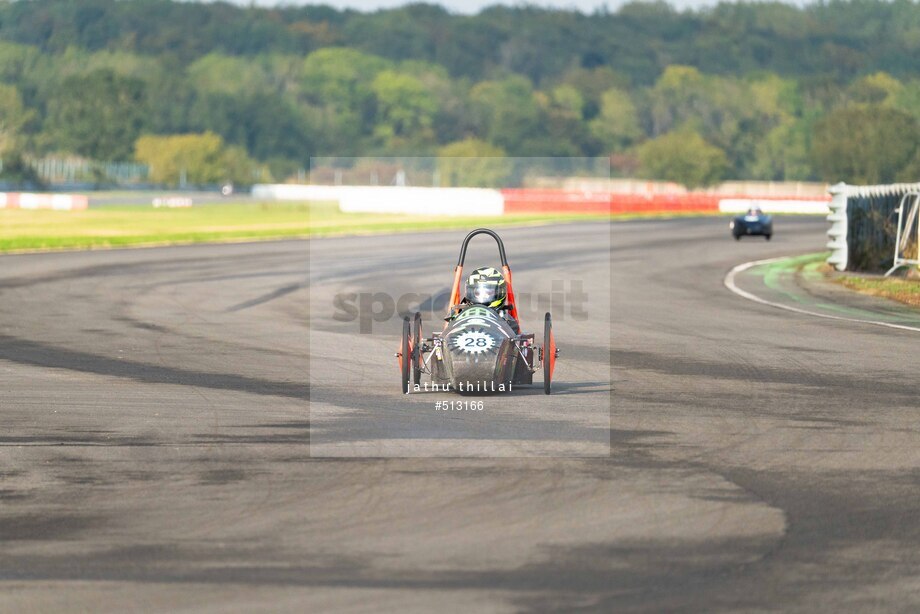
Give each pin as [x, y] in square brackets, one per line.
[483, 231]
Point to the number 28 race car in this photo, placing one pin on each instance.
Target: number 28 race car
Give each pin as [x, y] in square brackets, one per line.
[481, 348]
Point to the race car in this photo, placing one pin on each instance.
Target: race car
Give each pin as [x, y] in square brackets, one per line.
[754, 222]
[481, 348]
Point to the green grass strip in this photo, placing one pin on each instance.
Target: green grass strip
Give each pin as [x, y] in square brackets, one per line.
[123, 225]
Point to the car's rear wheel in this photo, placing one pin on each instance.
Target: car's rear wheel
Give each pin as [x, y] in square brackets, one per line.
[417, 350]
[767, 237]
[404, 357]
[737, 237]
[549, 353]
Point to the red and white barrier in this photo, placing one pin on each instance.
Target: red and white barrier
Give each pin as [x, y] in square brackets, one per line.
[392, 199]
[57, 202]
[285, 191]
[575, 202]
[423, 201]
[814, 206]
[485, 202]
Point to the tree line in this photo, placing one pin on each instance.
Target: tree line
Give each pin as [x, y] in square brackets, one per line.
[758, 91]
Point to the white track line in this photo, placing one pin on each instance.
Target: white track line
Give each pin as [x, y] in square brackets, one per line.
[730, 284]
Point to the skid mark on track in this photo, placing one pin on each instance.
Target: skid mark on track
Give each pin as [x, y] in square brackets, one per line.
[27, 352]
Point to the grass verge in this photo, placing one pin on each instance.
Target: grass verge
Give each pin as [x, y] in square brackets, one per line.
[902, 290]
[123, 226]
[898, 289]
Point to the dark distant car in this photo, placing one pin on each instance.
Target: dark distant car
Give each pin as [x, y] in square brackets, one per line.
[754, 222]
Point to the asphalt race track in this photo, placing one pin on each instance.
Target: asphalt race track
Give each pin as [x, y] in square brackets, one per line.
[157, 450]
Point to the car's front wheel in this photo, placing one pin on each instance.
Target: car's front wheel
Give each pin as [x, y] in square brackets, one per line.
[404, 356]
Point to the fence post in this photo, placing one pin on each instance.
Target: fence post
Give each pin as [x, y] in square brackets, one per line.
[838, 230]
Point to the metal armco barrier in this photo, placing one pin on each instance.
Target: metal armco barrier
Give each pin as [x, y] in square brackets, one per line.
[837, 234]
[907, 221]
[864, 225]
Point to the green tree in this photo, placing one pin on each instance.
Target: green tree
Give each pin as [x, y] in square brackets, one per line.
[617, 124]
[676, 96]
[17, 62]
[50, 71]
[228, 75]
[13, 118]
[641, 38]
[405, 108]
[782, 155]
[290, 82]
[98, 115]
[507, 113]
[195, 159]
[682, 156]
[875, 89]
[453, 119]
[473, 163]
[564, 131]
[907, 99]
[240, 169]
[17, 171]
[732, 114]
[338, 82]
[340, 77]
[568, 100]
[266, 124]
[866, 145]
[592, 83]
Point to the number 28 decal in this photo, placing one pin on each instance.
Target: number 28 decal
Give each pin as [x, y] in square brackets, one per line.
[474, 342]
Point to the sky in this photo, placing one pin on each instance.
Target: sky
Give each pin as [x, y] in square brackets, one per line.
[473, 6]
